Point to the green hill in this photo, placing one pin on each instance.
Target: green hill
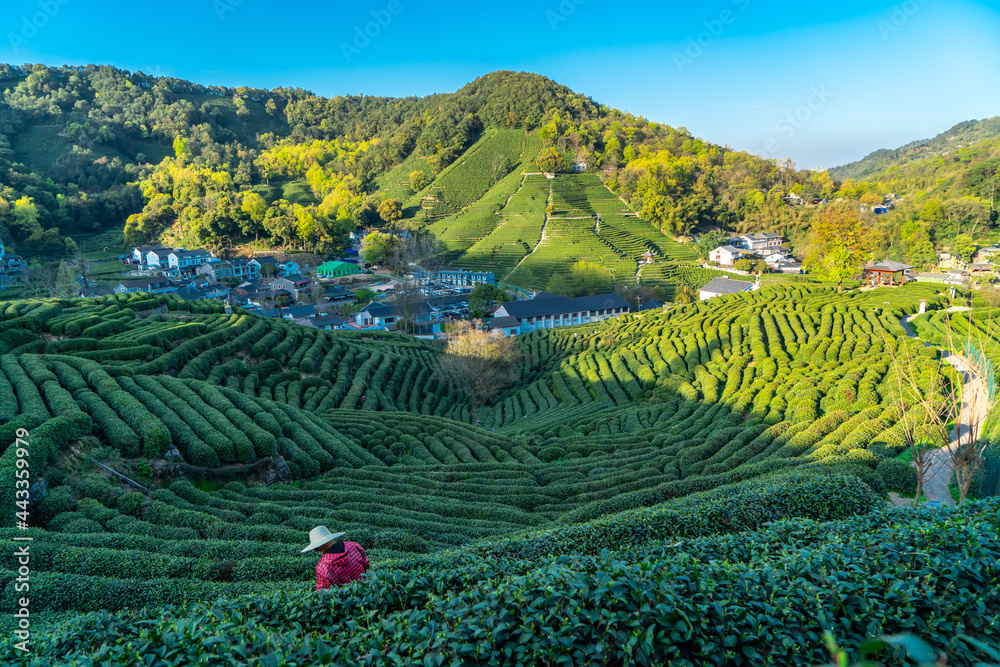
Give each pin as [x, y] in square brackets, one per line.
[88, 150]
[960, 136]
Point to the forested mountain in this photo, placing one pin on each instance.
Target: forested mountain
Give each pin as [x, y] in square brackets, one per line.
[85, 148]
[958, 137]
[946, 201]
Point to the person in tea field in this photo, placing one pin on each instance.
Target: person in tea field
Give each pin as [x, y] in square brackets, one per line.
[342, 562]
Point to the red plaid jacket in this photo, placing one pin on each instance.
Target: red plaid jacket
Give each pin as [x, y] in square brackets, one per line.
[338, 569]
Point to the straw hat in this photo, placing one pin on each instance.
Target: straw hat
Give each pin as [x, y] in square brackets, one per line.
[319, 536]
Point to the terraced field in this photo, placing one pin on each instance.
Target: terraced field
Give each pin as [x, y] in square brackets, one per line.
[699, 423]
[521, 220]
[567, 241]
[395, 183]
[588, 222]
[473, 175]
[670, 275]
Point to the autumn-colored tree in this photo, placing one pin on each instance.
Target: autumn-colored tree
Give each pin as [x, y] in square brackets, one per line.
[390, 210]
[551, 160]
[870, 199]
[418, 181]
[841, 243]
[479, 362]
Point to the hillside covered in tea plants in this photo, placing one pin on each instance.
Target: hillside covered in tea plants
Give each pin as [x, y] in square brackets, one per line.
[705, 485]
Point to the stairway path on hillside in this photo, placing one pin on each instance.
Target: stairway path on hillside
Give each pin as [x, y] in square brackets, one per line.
[975, 406]
[541, 238]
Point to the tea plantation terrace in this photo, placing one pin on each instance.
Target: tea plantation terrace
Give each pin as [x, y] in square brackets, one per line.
[652, 469]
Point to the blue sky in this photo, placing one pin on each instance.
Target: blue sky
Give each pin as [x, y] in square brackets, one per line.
[821, 83]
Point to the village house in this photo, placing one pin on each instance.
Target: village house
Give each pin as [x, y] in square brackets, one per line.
[463, 277]
[324, 322]
[13, 268]
[295, 283]
[949, 279]
[725, 255]
[986, 255]
[508, 326]
[651, 304]
[548, 311]
[187, 261]
[95, 292]
[290, 312]
[216, 270]
[385, 317]
[159, 257]
[284, 269]
[720, 286]
[337, 293]
[191, 293]
[151, 285]
[140, 254]
[244, 269]
[759, 242]
[337, 270]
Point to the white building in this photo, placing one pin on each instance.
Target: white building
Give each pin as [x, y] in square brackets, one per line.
[725, 255]
[548, 311]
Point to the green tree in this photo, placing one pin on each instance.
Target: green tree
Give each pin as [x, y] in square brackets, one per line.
[684, 294]
[363, 295]
[255, 208]
[500, 167]
[377, 247]
[181, 148]
[551, 160]
[66, 284]
[922, 253]
[390, 210]
[485, 298]
[71, 247]
[841, 242]
[268, 270]
[964, 247]
[25, 218]
[708, 242]
[418, 181]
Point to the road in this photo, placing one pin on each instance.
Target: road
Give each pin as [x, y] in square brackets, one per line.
[975, 407]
